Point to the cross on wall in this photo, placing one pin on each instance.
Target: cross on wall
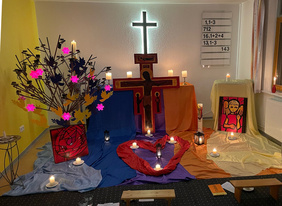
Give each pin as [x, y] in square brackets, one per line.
[144, 24]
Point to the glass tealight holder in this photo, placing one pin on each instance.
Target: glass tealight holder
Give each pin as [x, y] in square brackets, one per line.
[199, 138]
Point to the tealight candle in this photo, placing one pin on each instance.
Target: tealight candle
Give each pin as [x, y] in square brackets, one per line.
[148, 132]
[158, 166]
[227, 77]
[172, 139]
[134, 144]
[232, 134]
[184, 73]
[170, 72]
[214, 151]
[78, 160]
[129, 74]
[52, 179]
[108, 76]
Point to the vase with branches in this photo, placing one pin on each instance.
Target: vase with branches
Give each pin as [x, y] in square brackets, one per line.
[62, 82]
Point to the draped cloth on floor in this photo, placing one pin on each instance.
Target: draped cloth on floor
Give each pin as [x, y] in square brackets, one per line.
[250, 153]
[69, 177]
[138, 163]
[117, 118]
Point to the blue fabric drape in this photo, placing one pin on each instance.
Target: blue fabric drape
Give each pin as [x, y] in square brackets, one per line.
[118, 118]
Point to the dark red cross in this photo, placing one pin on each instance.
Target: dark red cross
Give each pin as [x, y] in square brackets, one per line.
[146, 89]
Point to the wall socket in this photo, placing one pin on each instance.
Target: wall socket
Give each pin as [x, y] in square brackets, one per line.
[22, 128]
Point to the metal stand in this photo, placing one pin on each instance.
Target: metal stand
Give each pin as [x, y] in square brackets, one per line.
[10, 172]
[184, 82]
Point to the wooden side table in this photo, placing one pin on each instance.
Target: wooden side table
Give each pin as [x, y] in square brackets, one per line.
[10, 167]
[148, 194]
[273, 183]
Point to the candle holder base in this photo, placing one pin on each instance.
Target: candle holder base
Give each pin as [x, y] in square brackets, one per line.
[78, 163]
[232, 138]
[134, 147]
[158, 169]
[171, 142]
[52, 185]
[248, 189]
[148, 135]
[214, 154]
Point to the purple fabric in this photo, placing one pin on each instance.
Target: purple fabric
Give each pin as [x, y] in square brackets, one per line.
[179, 174]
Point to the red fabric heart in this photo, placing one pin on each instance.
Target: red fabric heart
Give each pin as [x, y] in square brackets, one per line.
[129, 157]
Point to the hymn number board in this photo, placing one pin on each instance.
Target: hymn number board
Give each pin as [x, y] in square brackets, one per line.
[216, 38]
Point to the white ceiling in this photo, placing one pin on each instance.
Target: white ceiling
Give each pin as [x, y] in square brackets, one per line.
[157, 1]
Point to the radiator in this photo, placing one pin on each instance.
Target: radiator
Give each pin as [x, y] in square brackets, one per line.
[273, 118]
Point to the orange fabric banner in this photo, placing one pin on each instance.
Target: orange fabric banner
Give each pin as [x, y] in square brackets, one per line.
[180, 108]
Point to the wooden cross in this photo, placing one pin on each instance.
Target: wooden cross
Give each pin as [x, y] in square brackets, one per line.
[144, 24]
[147, 88]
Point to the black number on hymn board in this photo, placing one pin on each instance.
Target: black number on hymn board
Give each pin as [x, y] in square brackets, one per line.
[213, 35]
[207, 28]
[209, 21]
[210, 42]
[225, 48]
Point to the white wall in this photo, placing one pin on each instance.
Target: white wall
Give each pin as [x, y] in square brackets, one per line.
[104, 29]
[245, 41]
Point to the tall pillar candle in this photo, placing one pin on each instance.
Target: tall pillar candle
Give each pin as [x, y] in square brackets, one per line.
[184, 73]
[170, 72]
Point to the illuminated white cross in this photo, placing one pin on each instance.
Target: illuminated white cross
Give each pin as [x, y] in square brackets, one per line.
[144, 24]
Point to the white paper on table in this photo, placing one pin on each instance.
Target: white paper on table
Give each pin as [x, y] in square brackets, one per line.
[109, 204]
[146, 200]
[228, 186]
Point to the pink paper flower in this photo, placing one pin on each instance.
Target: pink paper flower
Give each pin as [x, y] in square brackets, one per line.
[21, 98]
[34, 74]
[66, 50]
[92, 77]
[39, 72]
[100, 107]
[107, 87]
[66, 116]
[30, 107]
[74, 79]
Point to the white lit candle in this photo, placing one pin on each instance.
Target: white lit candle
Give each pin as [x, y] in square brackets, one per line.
[108, 76]
[200, 140]
[232, 134]
[73, 46]
[158, 166]
[214, 151]
[274, 80]
[78, 160]
[184, 73]
[4, 134]
[52, 179]
[170, 73]
[148, 132]
[134, 144]
[227, 77]
[129, 74]
[172, 139]
[200, 105]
